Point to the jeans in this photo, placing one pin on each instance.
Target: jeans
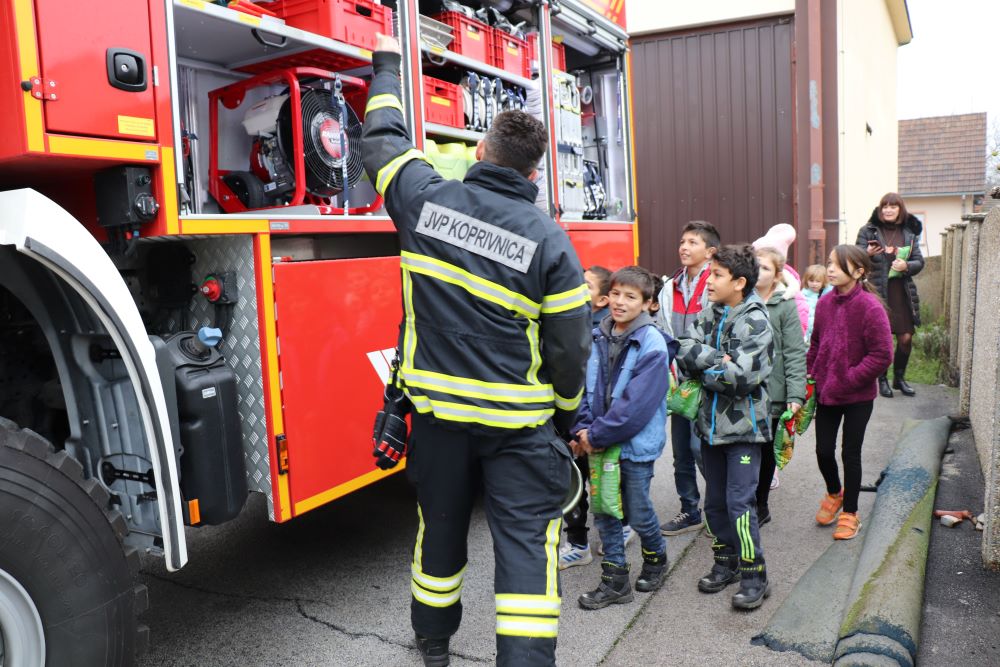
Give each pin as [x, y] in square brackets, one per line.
[687, 456]
[635, 481]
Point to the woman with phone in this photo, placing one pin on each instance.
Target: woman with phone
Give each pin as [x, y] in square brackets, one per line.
[892, 241]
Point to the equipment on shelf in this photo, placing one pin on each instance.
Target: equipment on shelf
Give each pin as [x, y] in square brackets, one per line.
[594, 192]
[306, 143]
[484, 98]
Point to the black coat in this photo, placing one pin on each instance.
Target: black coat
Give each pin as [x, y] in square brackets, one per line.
[881, 263]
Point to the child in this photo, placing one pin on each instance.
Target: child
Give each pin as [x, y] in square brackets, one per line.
[681, 299]
[575, 550]
[624, 403]
[851, 347]
[781, 237]
[598, 281]
[730, 349]
[815, 287]
[786, 385]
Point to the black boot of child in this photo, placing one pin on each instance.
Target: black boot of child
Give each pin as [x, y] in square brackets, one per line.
[725, 571]
[613, 589]
[753, 586]
[654, 572]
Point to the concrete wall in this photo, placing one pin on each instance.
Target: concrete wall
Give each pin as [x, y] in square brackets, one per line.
[938, 213]
[646, 16]
[930, 286]
[866, 85]
[975, 342]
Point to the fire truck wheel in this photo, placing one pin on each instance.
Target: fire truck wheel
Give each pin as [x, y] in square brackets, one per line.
[68, 591]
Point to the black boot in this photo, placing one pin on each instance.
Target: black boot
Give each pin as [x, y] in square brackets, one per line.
[725, 571]
[613, 589]
[654, 572]
[883, 386]
[753, 586]
[433, 651]
[899, 382]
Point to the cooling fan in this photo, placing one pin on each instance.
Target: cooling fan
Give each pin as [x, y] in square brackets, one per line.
[306, 143]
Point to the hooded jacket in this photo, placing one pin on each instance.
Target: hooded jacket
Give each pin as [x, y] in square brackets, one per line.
[624, 401]
[787, 381]
[735, 406]
[881, 263]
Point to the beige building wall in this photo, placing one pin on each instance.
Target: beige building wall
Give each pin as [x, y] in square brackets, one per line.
[866, 86]
[938, 213]
[657, 15]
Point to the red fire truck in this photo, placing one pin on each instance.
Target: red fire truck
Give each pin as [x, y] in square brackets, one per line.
[199, 288]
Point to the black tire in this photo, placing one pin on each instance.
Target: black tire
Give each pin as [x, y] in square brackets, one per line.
[247, 187]
[59, 541]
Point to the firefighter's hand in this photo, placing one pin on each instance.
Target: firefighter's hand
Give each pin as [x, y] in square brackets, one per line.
[387, 43]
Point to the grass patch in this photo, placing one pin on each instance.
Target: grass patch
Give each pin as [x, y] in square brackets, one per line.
[930, 353]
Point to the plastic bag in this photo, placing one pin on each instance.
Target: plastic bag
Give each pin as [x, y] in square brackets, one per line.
[903, 254]
[684, 398]
[804, 417]
[606, 482]
[784, 439]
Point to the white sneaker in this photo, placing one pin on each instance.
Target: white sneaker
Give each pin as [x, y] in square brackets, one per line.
[571, 555]
[627, 534]
[775, 482]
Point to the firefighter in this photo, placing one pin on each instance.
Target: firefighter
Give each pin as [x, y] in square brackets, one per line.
[493, 347]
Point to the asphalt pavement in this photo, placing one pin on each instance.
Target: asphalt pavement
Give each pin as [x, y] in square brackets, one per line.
[332, 587]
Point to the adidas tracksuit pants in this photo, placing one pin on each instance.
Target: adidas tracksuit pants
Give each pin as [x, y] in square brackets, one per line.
[731, 474]
[524, 477]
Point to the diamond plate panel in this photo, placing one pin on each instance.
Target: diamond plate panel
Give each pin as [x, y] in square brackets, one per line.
[241, 346]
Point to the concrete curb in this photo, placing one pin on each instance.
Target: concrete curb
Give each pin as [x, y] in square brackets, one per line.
[877, 621]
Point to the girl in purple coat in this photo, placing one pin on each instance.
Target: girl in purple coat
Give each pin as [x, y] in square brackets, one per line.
[851, 347]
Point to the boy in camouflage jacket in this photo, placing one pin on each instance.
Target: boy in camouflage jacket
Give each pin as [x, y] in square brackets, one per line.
[730, 349]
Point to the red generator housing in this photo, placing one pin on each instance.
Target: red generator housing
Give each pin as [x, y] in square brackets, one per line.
[355, 92]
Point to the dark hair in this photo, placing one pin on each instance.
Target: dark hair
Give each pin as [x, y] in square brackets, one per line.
[706, 230]
[848, 254]
[516, 140]
[741, 262]
[637, 277]
[603, 279]
[892, 199]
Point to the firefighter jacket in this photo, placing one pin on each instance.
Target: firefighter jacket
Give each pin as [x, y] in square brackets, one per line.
[496, 329]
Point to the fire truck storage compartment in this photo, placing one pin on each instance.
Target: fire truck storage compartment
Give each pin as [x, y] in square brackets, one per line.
[333, 373]
[211, 463]
[591, 115]
[471, 37]
[96, 67]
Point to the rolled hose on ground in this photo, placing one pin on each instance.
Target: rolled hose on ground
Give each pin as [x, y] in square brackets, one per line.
[876, 618]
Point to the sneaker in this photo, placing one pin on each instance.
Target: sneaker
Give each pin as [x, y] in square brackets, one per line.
[829, 507]
[848, 526]
[571, 555]
[682, 523]
[627, 534]
[775, 482]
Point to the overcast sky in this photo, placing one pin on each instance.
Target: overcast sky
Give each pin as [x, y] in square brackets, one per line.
[952, 63]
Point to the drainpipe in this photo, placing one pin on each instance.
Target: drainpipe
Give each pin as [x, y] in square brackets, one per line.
[817, 232]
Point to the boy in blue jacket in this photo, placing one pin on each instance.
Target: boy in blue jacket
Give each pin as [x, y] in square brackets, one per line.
[624, 403]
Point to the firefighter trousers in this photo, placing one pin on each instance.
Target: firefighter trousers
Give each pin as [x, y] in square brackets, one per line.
[524, 476]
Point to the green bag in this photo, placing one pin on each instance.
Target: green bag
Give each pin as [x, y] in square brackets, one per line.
[606, 482]
[684, 398]
[903, 254]
[804, 417]
[784, 439]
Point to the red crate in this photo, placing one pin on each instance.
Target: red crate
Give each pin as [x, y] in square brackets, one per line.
[472, 38]
[558, 52]
[443, 103]
[510, 53]
[354, 22]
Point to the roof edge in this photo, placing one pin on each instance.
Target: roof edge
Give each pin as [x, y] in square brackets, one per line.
[904, 195]
[900, 15]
